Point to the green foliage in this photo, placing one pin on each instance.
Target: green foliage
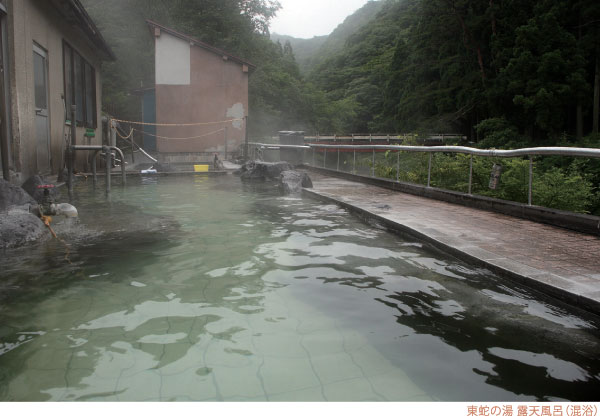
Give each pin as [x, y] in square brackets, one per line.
[559, 188]
[499, 133]
[304, 49]
[505, 73]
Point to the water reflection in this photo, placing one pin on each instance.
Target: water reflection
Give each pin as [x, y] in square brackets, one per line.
[520, 342]
[200, 289]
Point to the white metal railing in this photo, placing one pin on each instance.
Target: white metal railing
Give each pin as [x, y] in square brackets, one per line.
[529, 152]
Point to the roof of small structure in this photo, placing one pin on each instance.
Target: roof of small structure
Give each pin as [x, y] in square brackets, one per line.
[152, 24]
[74, 13]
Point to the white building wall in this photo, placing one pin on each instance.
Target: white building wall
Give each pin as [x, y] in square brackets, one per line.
[173, 65]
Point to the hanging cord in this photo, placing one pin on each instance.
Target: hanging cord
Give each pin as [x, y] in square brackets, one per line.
[125, 137]
[140, 123]
[181, 138]
[47, 220]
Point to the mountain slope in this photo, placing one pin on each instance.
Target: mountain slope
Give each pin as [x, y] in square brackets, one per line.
[311, 52]
[304, 49]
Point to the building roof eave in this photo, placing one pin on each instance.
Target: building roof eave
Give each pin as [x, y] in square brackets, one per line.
[74, 12]
[152, 25]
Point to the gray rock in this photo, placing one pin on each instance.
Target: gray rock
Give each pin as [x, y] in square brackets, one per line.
[11, 195]
[292, 181]
[31, 187]
[260, 171]
[19, 228]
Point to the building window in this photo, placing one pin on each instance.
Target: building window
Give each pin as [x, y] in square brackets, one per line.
[80, 87]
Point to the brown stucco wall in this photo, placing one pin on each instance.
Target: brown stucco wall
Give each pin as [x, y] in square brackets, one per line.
[37, 21]
[217, 86]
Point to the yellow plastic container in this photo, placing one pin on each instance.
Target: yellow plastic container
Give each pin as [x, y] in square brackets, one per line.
[200, 168]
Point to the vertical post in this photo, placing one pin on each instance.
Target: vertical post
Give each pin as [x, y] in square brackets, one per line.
[225, 133]
[429, 170]
[313, 163]
[338, 161]
[325, 159]
[108, 163]
[70, 151]
[471, 175]
[246, 138]
[94, 176]
[373, 167]
[354, 165]
[530, 180]
[398, 168]
[132, 148]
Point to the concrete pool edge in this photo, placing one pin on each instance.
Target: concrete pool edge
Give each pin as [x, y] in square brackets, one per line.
[546, 283]
[584, 223]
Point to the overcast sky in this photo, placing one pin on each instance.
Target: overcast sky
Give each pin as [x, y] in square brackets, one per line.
[308, 18]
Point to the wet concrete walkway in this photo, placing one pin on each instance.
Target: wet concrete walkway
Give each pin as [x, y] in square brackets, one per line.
[556, 261]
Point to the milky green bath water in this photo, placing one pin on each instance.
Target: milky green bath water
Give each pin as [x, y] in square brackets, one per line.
[208, 289]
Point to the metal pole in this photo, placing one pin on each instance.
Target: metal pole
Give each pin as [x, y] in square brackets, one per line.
[132, 157]
[530, 179]
[471, 175]
[70, 152]
[338, 161]
[225, 142]
[94, 175]
[325, 159]
[429, 170]
[354, 166]
[313, 163]
[108, 159]
[246, 138]
[373, 167]
[398, 168]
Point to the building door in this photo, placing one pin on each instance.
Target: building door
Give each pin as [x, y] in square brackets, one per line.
[42, 125]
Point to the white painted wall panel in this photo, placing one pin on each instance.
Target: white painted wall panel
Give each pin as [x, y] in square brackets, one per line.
[173, 65]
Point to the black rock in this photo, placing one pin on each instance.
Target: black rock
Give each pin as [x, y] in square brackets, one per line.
[260, 171]
[31, 187]
[292, 181]
[19, 228]
[11, 195]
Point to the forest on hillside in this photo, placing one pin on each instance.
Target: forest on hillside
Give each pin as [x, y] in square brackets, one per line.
[505, 73]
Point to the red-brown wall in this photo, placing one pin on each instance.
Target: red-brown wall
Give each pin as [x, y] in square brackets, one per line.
[217, 85]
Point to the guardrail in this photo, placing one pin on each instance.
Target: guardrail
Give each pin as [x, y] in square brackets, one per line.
[528, 152]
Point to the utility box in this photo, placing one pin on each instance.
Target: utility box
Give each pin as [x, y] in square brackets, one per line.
[296, 138]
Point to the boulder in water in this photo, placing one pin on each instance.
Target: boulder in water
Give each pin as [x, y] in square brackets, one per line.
[11, 195]
[19, 228]
[31, 186]
[260, 171]
[292, 181]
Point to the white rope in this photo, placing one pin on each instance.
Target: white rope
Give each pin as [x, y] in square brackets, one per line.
[140, 123]
[180, 138]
